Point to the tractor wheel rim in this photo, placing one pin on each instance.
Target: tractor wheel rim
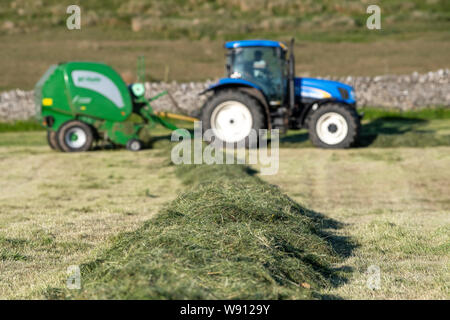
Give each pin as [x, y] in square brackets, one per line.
[332, 128]
[231, 121]
[75, 138]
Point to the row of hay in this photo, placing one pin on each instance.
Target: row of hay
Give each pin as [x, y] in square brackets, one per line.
[229, 236]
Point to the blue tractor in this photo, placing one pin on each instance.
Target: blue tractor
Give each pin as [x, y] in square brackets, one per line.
[261, 91]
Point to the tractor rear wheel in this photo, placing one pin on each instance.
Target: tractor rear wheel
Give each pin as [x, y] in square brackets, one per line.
[52, 140]
[232, 115]
[75, 136]
[334, 126]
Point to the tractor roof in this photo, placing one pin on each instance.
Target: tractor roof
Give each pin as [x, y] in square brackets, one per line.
[254, 43]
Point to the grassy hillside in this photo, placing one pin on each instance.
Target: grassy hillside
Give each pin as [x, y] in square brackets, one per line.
[195, 19]
[183, 39]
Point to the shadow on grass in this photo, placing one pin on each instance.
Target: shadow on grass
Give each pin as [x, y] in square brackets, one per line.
[296, 138]
[342, 245]
[391, 129]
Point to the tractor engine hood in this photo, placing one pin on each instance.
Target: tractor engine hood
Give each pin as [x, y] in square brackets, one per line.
[318, 89]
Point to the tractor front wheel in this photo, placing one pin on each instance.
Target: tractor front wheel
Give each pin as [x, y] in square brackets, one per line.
[75, 136]
[232, 116]
[334, 126]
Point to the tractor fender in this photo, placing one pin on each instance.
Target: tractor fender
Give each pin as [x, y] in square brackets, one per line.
[244, 86]
[230, 82]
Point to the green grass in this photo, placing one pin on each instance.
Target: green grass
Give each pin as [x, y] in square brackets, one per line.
[28, 138]
[20, 126]
[424, 114]
[229, 236]
[385, 129]
[380, 129]
[390, 132]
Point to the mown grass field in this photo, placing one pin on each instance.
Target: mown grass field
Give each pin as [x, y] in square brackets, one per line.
[376, 205]
[142, 228]
[58, 210]
[393, 202]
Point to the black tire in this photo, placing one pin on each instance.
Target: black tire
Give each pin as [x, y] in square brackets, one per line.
[134, 145]
[52, 140]
[352, 120]
[66, 132]
[253, 106]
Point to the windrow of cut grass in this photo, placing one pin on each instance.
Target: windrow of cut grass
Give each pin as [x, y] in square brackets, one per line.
[229, 236]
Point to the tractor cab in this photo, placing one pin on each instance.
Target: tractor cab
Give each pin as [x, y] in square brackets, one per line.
[262, 63]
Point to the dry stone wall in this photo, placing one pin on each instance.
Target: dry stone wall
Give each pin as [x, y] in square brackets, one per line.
[404, 92]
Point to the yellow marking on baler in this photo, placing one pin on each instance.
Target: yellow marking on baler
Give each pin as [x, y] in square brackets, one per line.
[83, 108]
[47, 102]
[123, 113]
[175, 116]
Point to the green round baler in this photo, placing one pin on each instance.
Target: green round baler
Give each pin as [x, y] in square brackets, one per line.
[80, 102]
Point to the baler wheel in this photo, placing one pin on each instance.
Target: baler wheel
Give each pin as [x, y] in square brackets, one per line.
[75, 136]
[134, 145]
[52, 140]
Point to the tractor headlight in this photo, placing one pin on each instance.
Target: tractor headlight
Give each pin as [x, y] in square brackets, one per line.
[353, 94]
